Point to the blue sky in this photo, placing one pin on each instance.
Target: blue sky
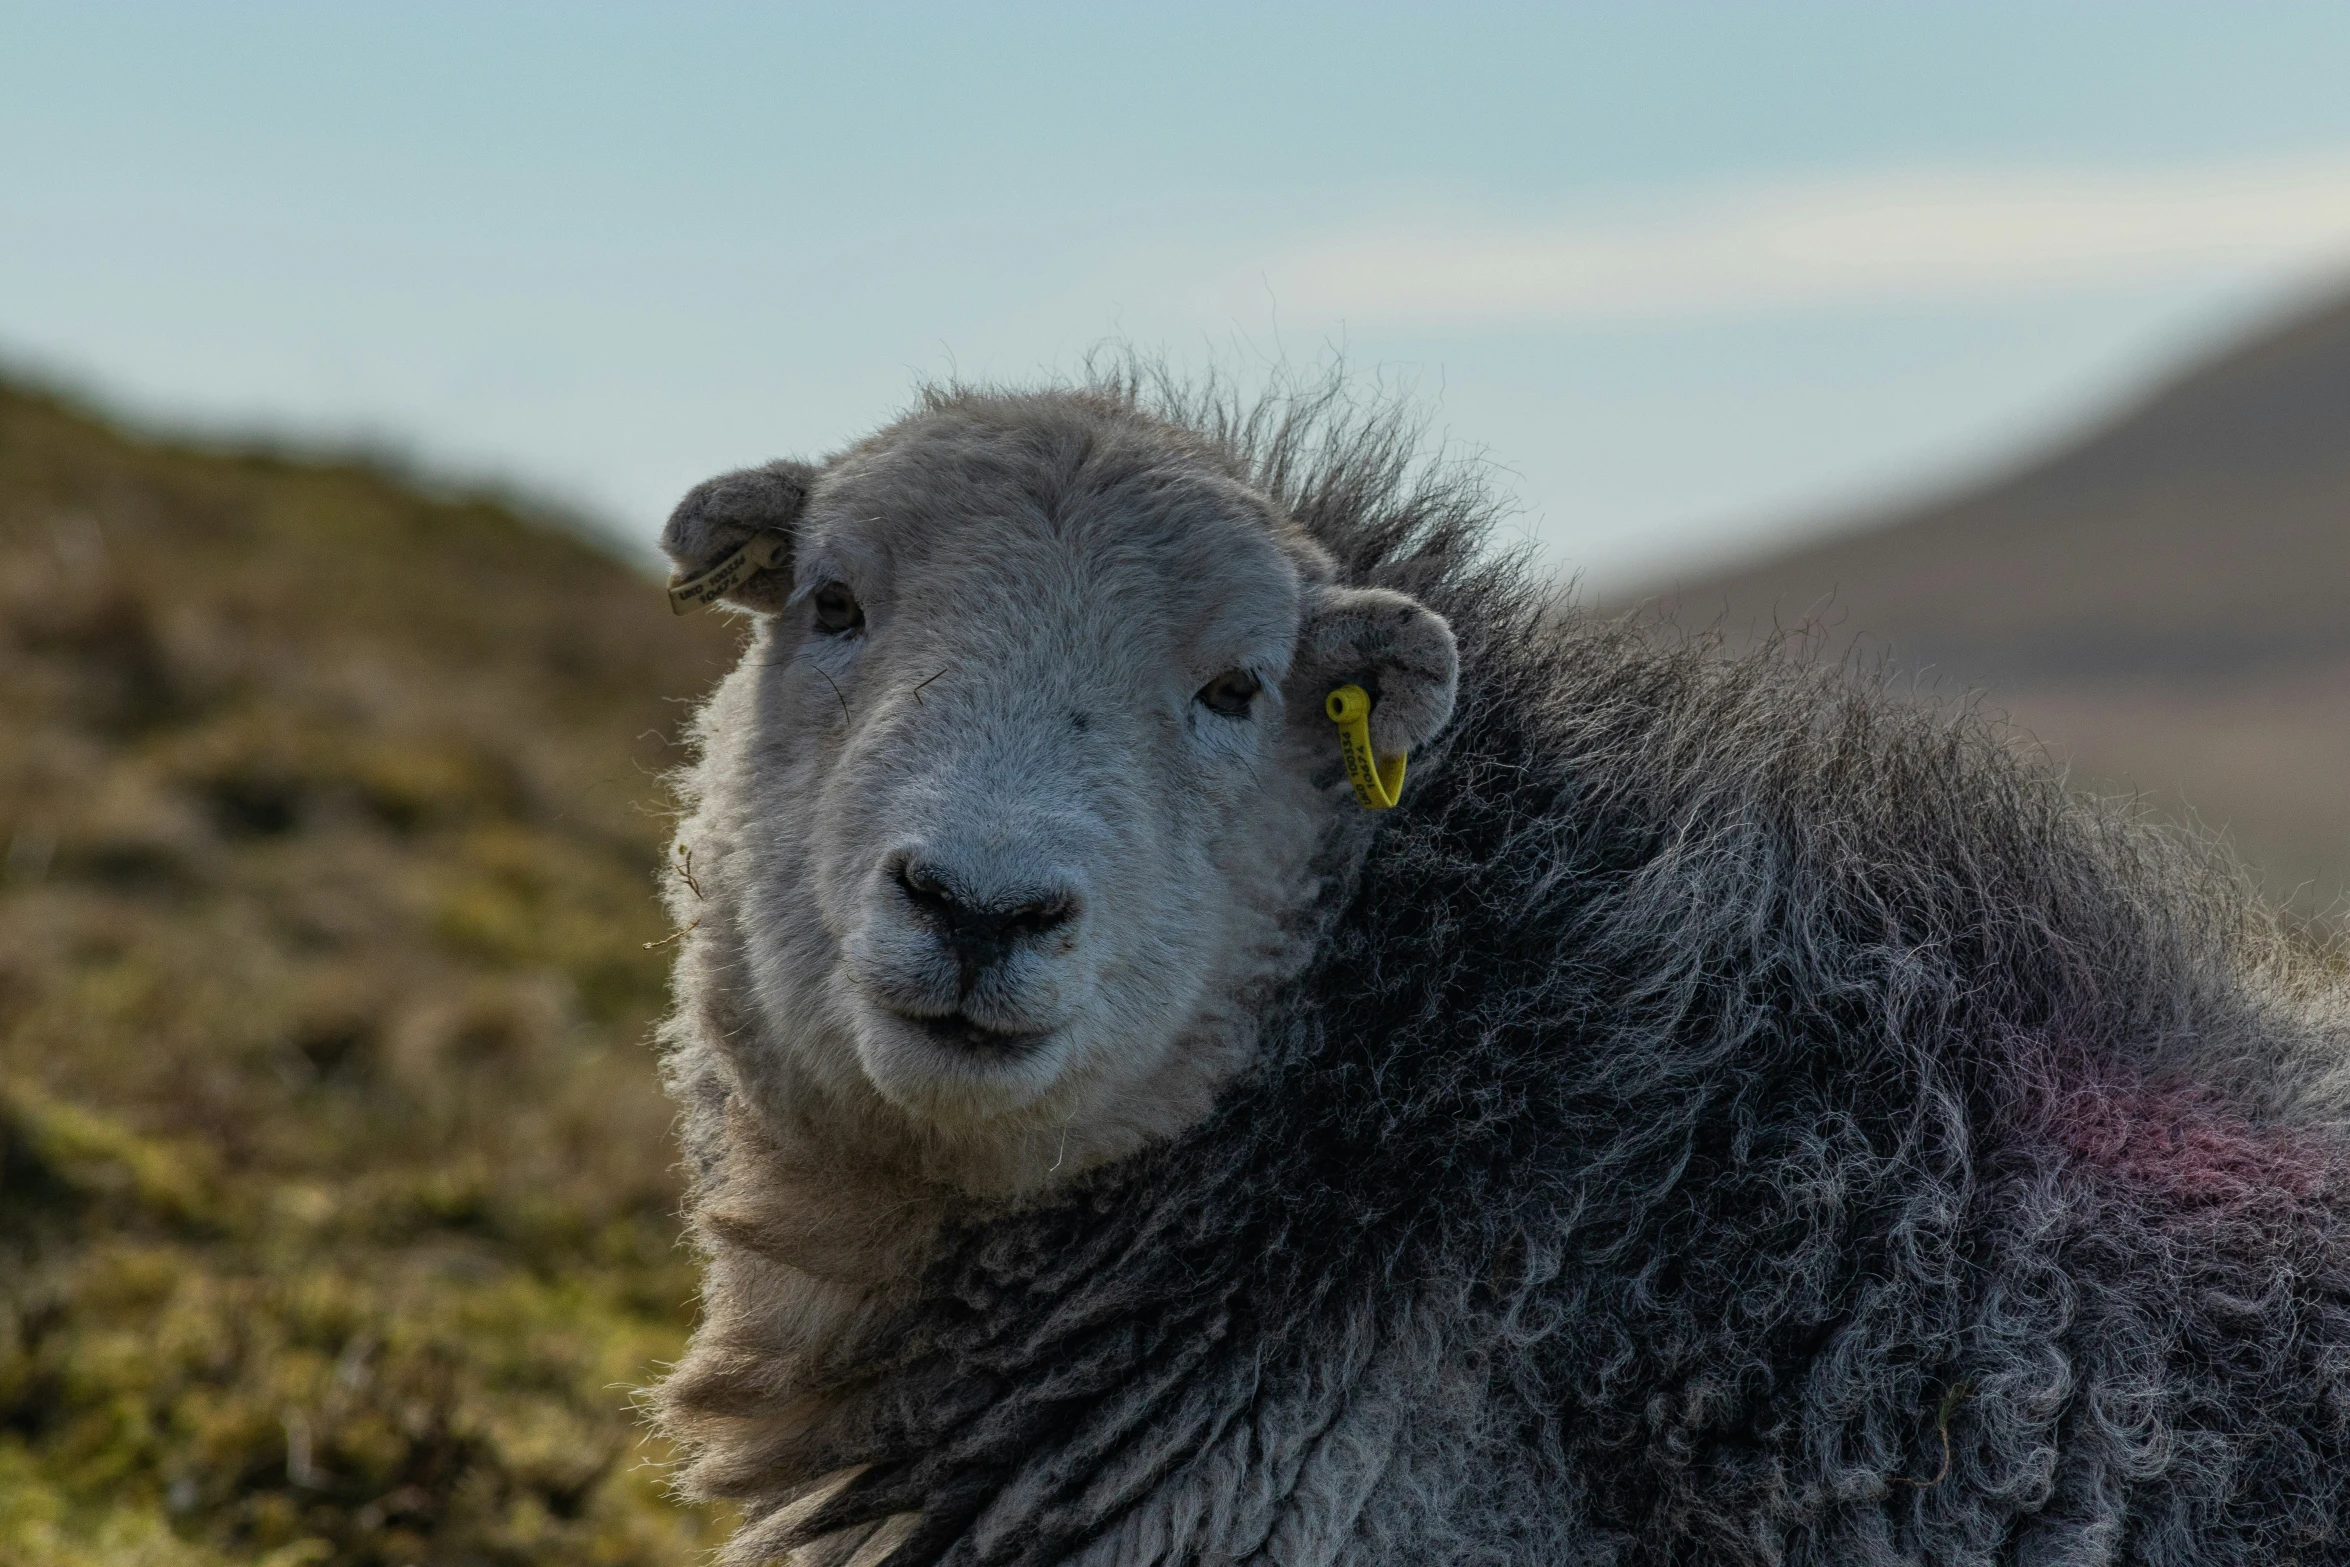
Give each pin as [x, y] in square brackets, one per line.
[1694, 276]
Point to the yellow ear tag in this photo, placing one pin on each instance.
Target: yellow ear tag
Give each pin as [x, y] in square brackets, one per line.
[1377, 784]
[761, 552]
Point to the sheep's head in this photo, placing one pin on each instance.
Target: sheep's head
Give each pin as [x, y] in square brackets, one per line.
[1008, 816]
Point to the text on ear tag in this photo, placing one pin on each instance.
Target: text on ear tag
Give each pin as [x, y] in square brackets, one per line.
[761, 552]
[1378, 785]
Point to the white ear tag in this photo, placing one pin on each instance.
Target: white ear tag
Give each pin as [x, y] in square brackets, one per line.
[762, 552]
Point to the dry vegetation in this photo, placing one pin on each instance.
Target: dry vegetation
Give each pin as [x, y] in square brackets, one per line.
[336, 1208]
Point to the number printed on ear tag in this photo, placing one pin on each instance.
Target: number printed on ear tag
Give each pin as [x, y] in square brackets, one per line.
[1378, 785]
[762, 552]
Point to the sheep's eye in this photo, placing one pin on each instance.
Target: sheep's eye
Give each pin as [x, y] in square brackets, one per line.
[837, 609]
[1230, 693]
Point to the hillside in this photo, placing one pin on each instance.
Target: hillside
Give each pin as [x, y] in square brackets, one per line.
[336, 1209]
[2165, 602]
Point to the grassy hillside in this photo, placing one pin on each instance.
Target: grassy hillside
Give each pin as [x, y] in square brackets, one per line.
[2165, 601]
[336, 1209]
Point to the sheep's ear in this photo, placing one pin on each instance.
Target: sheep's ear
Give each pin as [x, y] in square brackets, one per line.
[1397, 649]
[730, 539]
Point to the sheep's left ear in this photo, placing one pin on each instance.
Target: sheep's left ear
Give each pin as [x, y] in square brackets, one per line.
[1397, 649]
[731, 537]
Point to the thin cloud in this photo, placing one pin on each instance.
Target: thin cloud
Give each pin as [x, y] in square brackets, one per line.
[1921, 237]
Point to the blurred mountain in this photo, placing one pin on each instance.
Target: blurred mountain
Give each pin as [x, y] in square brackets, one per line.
[337, 1213]
[2164, 602]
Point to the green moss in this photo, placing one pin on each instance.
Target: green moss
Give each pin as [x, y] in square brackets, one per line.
[336, 1200]
[471, 1406]
[65, 1152]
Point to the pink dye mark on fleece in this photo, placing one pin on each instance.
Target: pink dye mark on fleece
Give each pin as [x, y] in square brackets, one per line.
[2180, 1141]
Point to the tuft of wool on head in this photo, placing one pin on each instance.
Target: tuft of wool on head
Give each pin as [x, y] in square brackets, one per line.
[1734, 1114]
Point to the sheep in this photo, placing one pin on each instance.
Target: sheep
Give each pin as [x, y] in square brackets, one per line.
[1725, 1112]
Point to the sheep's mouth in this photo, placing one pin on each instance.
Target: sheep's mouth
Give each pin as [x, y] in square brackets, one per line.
[958, 1031]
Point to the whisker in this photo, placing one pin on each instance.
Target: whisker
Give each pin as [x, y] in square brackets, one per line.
[844, 701]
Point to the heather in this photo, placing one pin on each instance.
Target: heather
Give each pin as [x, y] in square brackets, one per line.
[337, 1216]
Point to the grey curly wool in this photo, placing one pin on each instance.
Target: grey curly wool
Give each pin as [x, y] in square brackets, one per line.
[1727, 1114]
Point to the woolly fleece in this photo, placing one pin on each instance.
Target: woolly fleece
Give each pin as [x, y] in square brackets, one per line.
[1731, 1114]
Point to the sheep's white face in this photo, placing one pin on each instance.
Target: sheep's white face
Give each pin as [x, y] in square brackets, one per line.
[1013, 802]
[1032, 795]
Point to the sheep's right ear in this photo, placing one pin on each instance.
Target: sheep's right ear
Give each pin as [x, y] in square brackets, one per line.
[731, 537]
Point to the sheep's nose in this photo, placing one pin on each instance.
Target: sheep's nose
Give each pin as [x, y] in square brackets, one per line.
[980, 929]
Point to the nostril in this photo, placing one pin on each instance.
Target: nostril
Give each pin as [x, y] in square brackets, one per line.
[924, 885]
[1034, 919]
